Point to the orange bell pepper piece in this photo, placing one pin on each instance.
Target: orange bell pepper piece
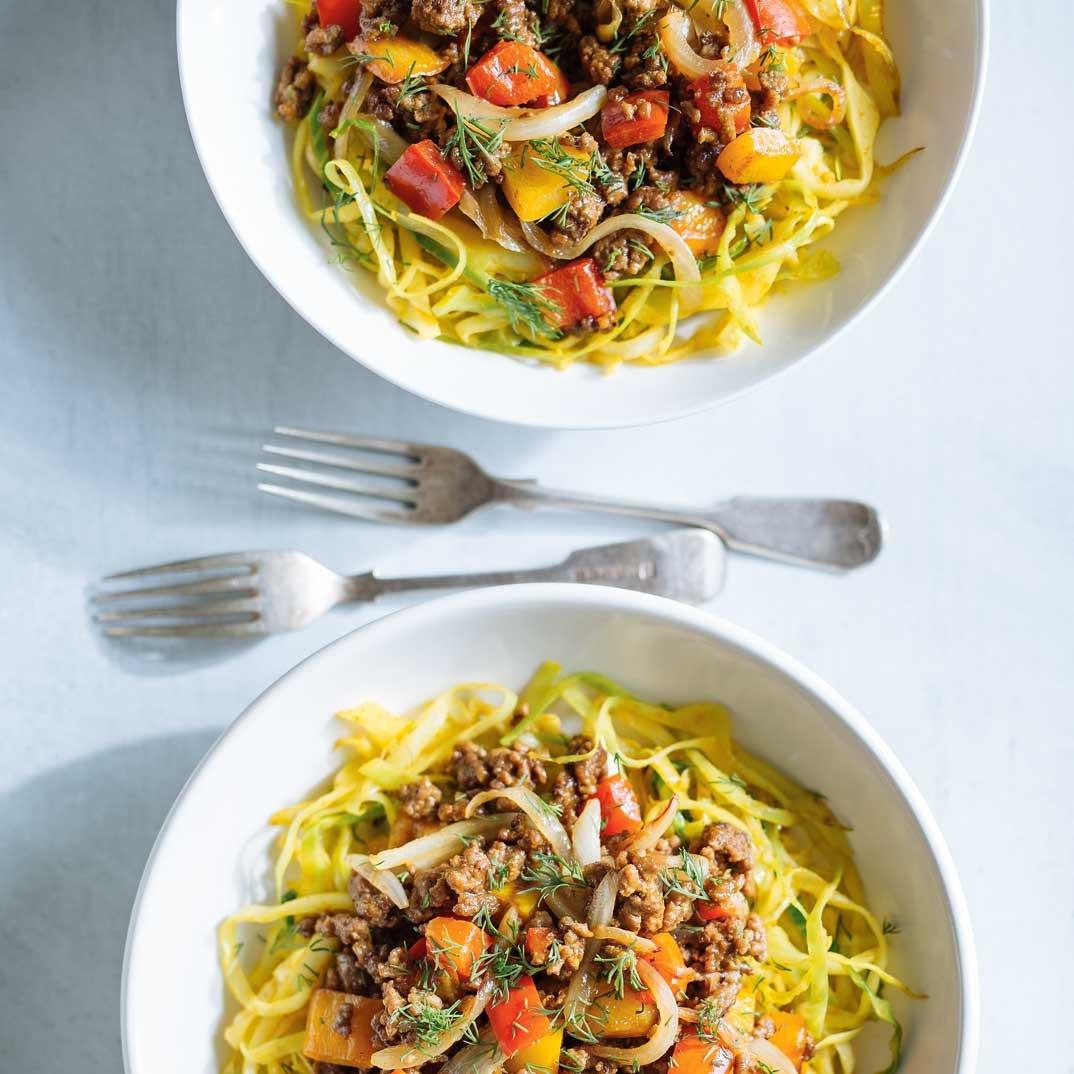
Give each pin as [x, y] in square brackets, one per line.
[325, 1044]
[693, 1055]
[455, 945]
[518, 1020]
[790, 1037]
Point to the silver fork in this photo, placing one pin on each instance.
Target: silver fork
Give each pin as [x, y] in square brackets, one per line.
[406, 482]
[244, 594]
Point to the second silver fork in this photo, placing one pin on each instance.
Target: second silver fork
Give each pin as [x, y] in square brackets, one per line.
[401, 481]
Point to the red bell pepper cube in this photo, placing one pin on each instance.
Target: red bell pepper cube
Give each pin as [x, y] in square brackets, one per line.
[512, 73]
[636, 118]
[560, 92]
[779, 22]
[715, 94]
[424, 181]
[619, 807]
[577, 292]
[518, 1020]
[342, 13]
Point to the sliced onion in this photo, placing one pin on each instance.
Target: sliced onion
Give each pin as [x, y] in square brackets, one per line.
[582, 988]
[537, 812]
[624, 937]
[667, 1024]
[429, 850]
[484, 1057]
[585, 836]
[740, 26]
[833, 90]
[649, 834]
[538, 239]
[770, 1056]
[674, 29]
[526, 123]
[484, 210]
[387, 883]
[351, 107]
[686, 270]
[404, 1056]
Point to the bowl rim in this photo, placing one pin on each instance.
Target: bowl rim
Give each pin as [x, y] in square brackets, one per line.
[560, 595]
[539, 420]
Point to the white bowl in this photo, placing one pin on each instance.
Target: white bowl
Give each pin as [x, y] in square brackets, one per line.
[229, 54]
[211, 856]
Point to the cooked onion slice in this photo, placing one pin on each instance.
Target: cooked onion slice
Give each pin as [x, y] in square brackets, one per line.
[405, 1056]
[831, 89]
[585, 836]
[484, 1057]
[667, 1024]
[582, 987]
[624, 937]
[429, 850]
[770, 1056]
[484, 210]
[387, 883]
[526, 123]
[538, 812]
[647, 836]
[674, 29]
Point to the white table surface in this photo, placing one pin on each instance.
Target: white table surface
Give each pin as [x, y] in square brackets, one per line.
[143, 357]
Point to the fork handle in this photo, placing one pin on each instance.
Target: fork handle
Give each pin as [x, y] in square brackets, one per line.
[830, 534]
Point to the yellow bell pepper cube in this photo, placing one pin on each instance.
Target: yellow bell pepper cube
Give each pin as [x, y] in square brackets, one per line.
[400, 57]
[759, 155]
[632, 1016]
[537, 180]
[542, 1055]
[525, 902]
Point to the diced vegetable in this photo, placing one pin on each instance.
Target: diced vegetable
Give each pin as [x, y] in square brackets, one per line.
[400, 57]
[712, 911]
[724, 905]
[538, 941]
[417, 951]
[615, 1018]
[693, 1055]
[577, 292]
[537, 180]
[525, 902]
[668, 961]
[714, 94]
[542, 1055]
[781, 22]
[619, 807]
[512, 73]
[341, 13]
[761, 155]
[324, 1043]
[518, 1020]
[790, 1036]
[455, 945]
[636, 118]
[559, 93]
[699, 223]
[425, 181]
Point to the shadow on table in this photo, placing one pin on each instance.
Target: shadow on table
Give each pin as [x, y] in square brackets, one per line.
[73, 847]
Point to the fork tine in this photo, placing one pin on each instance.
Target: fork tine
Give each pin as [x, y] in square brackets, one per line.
[188, 630]
[341, 506]
[362, 443]
[202, 563]
[340, 484]
[209, 610]
[406, 473]
[236, 584]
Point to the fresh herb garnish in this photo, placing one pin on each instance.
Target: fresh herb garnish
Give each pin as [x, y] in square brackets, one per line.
[526, 306]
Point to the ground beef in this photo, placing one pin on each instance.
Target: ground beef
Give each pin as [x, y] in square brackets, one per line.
[416, 116]
[453, 811]
[331, 1068]
[447, 18]
[599, 63]
[420, 799]
[699, 164]
[475, 768]
[723, 94]
[641, 898]
[295, 91]
[644, 65]
[469, 767]
[328, 117]
[729, 850]
[324, 40]
[382, 18]
[515, 22]
[347, 976]
[388, 1027]
[589, 771]
[370, 905]
[626, 253]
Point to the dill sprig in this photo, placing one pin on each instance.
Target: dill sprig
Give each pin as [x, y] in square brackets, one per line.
[526, 306]
[621, 970]
[686, 878]
[475, 143]
[661, 216]
[708, 1020]
[752, 195]
[427, 1022]
[621, 43]
[550, 873]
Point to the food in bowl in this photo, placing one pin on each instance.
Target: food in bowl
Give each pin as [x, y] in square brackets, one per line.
[567, 180]
[480, 889]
